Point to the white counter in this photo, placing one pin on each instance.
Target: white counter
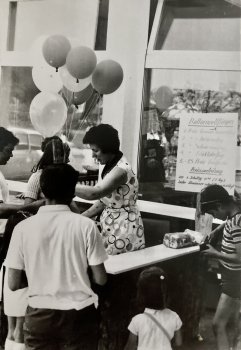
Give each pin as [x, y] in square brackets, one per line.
[117, 264]
[145, 206]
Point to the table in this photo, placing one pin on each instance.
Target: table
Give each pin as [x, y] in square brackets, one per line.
[117, 264]
[184, 282]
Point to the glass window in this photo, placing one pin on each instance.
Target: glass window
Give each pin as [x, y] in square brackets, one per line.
[69, 18]
[16, 93]
[23, 137]
[17, 90]
[169, 93]
[35, 141]
[210, 25]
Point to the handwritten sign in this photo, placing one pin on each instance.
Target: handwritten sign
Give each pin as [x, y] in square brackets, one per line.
[206, 151]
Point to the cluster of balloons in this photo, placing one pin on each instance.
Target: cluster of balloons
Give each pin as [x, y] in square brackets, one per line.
[72, 71]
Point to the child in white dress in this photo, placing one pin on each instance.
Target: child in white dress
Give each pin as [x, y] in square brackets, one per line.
[157, 325]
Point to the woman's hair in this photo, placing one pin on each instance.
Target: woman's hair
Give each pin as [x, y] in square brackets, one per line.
[151, 288]
[55, 152]
[104, 136]
[6, 138]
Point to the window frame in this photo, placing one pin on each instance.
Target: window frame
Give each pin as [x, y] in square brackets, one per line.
[190, 60]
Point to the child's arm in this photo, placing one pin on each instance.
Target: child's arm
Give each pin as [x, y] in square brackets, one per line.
[131, 342]
[178, 338]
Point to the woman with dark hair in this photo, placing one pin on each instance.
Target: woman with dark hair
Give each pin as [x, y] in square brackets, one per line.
[116, 193]
[54, 152]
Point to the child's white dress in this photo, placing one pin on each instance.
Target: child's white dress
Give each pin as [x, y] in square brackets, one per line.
[150, 336]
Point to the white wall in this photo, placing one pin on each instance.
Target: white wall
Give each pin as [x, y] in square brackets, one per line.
[127, 43]
[72, 18]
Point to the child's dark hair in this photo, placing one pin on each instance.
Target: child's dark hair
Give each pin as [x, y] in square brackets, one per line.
[7, 137]
[212, 196]
[151, 288]
[58, 182]
[54, 151]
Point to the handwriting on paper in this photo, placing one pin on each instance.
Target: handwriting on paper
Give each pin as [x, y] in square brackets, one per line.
[206, 151]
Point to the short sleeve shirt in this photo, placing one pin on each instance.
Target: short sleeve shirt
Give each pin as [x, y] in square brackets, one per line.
[4, 192]
[55, 248]
[33, 187]
[150, 336]
[231, 239]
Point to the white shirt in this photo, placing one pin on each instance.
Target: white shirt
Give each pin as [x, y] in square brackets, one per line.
[4, 197]
[55, 247]
[150, 336]
[4, 192]
[33, 189]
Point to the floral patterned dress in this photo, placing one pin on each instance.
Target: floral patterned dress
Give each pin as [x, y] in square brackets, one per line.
[120, 222]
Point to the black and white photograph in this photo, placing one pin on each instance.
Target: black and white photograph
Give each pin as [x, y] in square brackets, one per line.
[120, 175]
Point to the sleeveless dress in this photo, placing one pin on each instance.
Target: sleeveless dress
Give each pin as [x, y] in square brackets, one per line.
[121, 224]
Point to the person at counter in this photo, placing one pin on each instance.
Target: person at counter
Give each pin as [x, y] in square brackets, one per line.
[157, 325]
[54, 152]
[116, 193]
[55, 248]
[216, 201]
[7, 144]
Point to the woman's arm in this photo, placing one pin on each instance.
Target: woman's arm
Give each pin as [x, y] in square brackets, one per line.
[94, 210]
[115, 178]
[131, 342]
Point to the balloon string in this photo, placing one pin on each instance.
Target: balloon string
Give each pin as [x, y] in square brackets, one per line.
[92, 105]
[70, 124]
[68, 98]
[85, 116]
[94, 100]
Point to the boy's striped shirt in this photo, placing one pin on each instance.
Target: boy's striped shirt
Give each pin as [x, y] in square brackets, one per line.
[231, 238]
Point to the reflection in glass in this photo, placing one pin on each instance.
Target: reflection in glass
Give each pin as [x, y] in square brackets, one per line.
[199, 25]
[17, 90]
[171, 94]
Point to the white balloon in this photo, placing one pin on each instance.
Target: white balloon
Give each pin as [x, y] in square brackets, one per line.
[48, 113]
[46, 78]
[71, 83]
